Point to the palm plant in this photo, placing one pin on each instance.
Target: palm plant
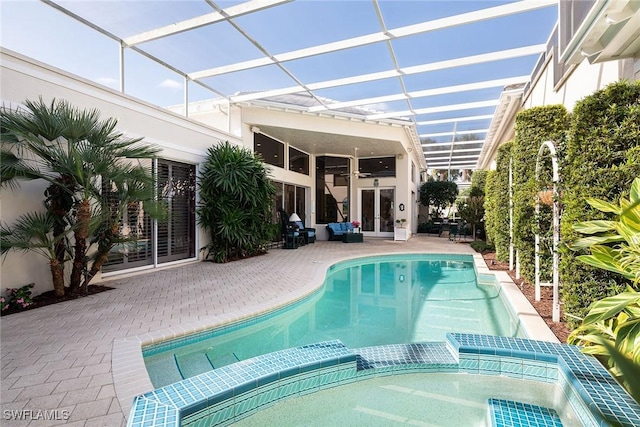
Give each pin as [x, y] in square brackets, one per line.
[32, 232]
[74, 151]
[611, 329]
[236, 197]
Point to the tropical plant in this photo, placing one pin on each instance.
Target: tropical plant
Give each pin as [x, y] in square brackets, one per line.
[236, 197]
[439, 194]
[611, 329]
[77, 154]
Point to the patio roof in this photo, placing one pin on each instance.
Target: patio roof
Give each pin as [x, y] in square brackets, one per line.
[441, 66]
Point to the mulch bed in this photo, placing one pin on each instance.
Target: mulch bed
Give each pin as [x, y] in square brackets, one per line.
[544, 307]
[48, 298]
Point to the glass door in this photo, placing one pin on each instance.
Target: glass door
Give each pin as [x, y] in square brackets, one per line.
[377, 206]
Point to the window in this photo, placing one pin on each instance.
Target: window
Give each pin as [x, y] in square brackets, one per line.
[298, 161]
[271, 151]
[177, 188]
[378, 167]
[413, 172]
[571, 14]
[292, 199]
[332, 201]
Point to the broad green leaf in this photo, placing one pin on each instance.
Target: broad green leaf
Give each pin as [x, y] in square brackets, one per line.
[596, 350]
[593, 227]
[628, 336]
[587, 242]
[611, 306]
[603, 206]
[635, 192]
[605, 264]
[629, 370]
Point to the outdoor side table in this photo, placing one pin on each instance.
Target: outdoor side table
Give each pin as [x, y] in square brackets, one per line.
[352, 238]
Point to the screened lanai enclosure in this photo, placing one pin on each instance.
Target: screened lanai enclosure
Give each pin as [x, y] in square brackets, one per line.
[450, 67]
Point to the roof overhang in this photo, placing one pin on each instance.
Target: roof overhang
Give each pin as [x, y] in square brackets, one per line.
[502, 124]
[611, 30]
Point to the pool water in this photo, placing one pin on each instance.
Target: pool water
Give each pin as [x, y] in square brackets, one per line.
[413, 399]
[366, 302]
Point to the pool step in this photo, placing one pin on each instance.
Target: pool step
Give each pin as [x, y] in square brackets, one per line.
[163, 371]
[218, 360]
[193, 364]
[507, 413]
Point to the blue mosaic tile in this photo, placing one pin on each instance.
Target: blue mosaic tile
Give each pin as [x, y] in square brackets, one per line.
[489, 365]
[543, 361]
[508, 413]
[390, 355]
[511, 367]
[261, 381]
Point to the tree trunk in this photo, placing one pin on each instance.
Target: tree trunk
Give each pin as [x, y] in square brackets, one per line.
[81, 234]
[58, 277]
[59, 208]
[101, 256]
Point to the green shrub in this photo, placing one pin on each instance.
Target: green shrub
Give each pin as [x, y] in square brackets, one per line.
[17, 298]
[236, 196]
[602, 157]
[533, 127]
[481, 246]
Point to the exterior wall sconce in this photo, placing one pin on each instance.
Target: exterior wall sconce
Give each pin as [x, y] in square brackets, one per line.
[376, 182]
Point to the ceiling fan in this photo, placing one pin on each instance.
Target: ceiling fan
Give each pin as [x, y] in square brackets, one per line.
[356, 173]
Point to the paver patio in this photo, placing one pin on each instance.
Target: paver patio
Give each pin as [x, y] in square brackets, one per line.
[58, 359]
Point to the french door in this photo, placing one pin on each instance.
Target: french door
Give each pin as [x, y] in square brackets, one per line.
[376, 211]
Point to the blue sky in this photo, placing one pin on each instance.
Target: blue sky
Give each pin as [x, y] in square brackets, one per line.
[38, 31]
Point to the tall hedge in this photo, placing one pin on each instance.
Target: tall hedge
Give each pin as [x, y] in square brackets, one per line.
[496, 203]
[602, 157]
[533, 127]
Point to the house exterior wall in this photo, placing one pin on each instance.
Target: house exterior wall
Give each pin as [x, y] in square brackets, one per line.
[180, 139]
[577, 83]
[582, 81]
[247, 116]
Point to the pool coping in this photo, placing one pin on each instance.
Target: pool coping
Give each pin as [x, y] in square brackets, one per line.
[233, 392]
[131, 378]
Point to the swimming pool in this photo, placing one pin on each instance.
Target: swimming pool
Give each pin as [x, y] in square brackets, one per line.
[364, 302]
[233, 392]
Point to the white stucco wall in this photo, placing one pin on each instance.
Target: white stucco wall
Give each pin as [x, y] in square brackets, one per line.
[180, 139]
[584, 80]
[246, 116]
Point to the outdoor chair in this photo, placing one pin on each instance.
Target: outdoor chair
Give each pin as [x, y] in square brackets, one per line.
[453, 232]
[308, 234]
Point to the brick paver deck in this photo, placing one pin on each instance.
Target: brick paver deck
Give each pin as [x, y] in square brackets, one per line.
[57, 360]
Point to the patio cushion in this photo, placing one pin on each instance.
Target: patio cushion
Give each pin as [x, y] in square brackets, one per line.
[335, 226]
